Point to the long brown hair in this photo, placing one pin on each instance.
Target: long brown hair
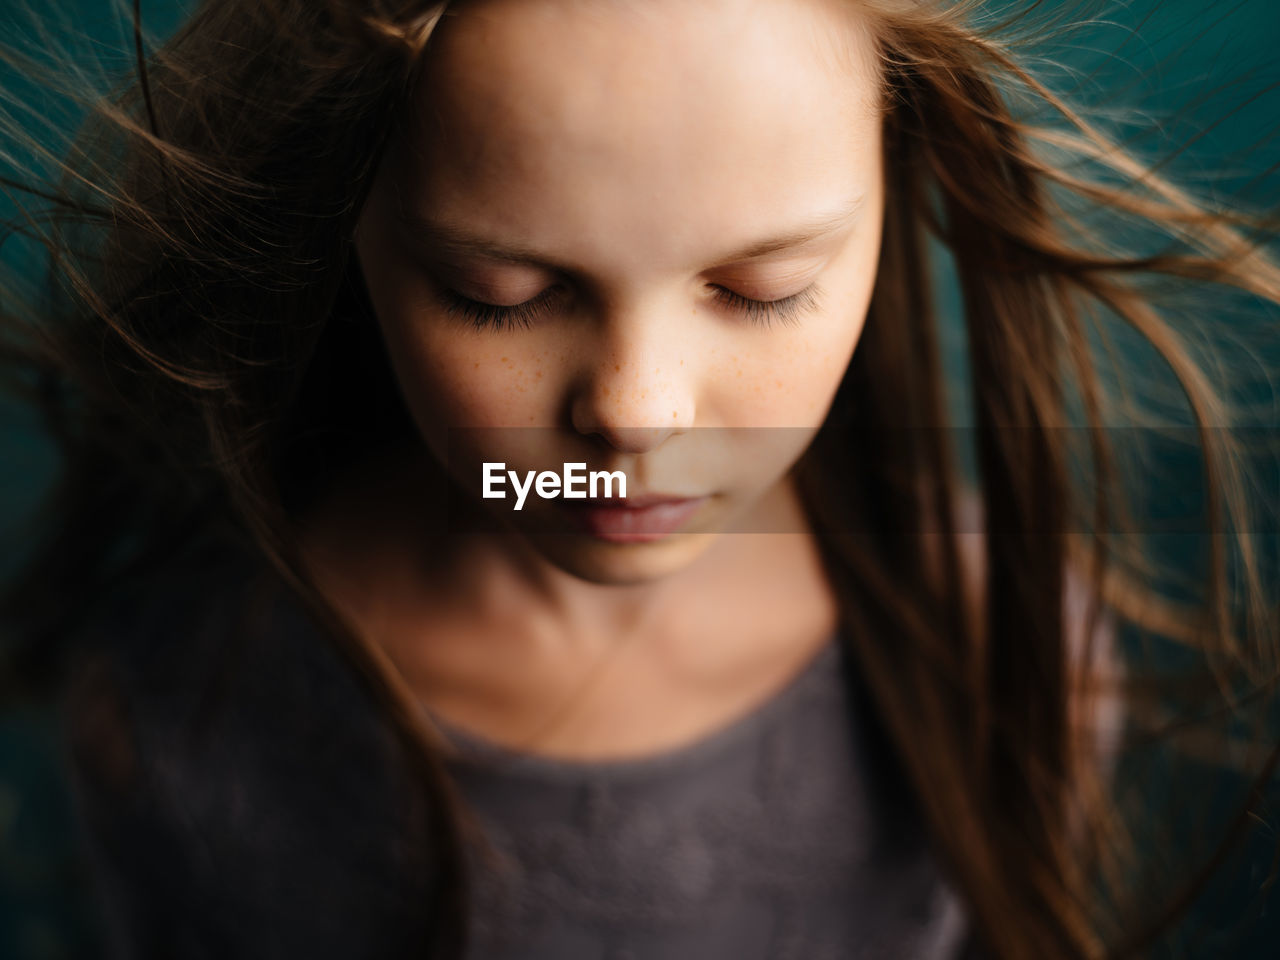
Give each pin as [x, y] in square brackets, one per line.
[200, 306]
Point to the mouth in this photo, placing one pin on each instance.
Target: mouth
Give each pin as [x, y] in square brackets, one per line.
[638, 520]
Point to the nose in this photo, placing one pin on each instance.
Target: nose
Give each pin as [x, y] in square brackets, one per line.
[636, 387]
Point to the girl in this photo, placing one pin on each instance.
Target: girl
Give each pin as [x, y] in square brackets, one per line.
[809, 689]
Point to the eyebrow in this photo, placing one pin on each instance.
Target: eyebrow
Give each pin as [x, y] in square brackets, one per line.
[455, 239]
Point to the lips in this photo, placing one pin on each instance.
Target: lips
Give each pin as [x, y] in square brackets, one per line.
[641, 519]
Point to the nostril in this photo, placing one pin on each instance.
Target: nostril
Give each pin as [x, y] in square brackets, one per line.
[636, 440]
[624, 406]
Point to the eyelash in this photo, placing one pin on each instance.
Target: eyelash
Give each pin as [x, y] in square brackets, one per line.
[485, 316]
[765, 312]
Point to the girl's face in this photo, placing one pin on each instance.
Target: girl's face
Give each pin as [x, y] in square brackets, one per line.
[616, 229]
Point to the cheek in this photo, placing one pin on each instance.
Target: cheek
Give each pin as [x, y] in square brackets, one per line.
[451, 375]
[819, 358]
[452, 378]
[786, 385]
[462, 388]
[792, 376]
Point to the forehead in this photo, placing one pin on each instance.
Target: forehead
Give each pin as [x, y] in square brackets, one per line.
[573, 122]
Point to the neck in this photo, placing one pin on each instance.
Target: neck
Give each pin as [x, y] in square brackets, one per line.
[378, 549]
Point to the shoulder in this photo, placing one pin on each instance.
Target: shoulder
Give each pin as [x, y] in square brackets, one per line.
[239, 789]
[206, 657]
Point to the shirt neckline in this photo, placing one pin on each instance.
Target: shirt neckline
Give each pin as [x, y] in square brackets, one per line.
[477, 753]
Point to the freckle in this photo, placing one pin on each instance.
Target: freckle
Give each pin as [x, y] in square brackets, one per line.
[673, 414]
[538, 375]
[777, 383]
[682, 363]
[605, 391]
[616, 368]
[506, 359]
[476, 366]
[531, 419]
[739, 373]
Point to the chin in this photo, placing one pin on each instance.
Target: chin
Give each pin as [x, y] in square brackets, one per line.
[621, 564]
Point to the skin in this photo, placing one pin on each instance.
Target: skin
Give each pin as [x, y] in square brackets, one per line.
[637, 158]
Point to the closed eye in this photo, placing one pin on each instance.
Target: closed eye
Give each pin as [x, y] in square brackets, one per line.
[498, 316]
[508, 316]
[765, 312]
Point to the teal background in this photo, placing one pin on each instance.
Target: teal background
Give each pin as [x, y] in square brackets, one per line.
[1183, 70]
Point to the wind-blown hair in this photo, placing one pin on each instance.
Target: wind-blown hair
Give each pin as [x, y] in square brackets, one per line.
[203, 354]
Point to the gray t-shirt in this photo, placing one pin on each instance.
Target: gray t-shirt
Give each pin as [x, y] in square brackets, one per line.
[243, 797]
[765, 839]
